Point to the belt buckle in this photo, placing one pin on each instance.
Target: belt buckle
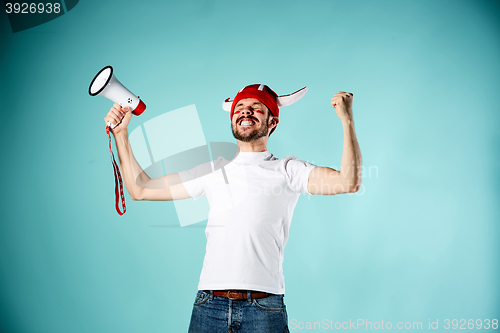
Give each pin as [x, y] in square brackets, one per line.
[228, 292]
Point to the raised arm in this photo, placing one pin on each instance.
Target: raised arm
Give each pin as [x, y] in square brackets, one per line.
[139, 185]
[328, 181]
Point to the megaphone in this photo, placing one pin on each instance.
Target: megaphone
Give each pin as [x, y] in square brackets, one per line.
[107, 85]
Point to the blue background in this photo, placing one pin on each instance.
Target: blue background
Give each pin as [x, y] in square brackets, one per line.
[419, 241]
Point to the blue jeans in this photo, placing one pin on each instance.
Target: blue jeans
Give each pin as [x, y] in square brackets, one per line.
[214, 314]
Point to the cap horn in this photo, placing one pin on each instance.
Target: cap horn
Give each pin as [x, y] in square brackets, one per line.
[286, 100]
[226, 105]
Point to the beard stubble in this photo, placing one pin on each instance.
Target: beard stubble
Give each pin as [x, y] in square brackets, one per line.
[255, 134]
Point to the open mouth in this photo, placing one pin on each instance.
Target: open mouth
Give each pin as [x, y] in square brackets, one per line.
[247, 122]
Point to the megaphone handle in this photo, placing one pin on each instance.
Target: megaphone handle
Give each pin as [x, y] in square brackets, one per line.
[111, 125]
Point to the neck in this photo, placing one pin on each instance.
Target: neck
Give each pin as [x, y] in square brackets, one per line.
[256, 146]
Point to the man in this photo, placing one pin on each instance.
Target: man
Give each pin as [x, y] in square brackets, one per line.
[252, 198]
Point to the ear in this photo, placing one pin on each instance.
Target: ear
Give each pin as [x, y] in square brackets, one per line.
[273, 122]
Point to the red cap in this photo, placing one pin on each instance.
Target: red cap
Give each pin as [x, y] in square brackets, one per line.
[261, 92]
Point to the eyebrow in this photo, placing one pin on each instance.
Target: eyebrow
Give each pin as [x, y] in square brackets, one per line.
[240, 104]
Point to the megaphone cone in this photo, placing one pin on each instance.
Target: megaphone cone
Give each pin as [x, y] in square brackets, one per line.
[107, 85]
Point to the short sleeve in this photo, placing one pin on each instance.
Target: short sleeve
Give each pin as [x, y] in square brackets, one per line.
[193, 179]
[297, 173]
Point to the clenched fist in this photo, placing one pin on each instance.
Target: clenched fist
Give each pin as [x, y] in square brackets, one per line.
[342, 102]
[118, 115]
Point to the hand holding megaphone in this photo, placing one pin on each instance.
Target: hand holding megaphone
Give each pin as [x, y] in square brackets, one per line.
[126, 104]
[118, 117]
[107, 85]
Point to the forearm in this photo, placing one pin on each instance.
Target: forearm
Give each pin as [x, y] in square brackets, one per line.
[351, 164]
[134, 177]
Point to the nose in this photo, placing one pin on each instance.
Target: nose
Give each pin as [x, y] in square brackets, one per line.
[247, 111]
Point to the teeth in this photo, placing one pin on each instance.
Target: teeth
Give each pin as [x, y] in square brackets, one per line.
[246, 122]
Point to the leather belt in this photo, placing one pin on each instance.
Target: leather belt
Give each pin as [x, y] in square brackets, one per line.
[239, 294]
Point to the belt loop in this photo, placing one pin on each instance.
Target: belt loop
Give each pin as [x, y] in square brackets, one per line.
[249, 296]
[211, 295]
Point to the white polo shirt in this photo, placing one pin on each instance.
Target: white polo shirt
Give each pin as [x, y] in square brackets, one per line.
[251, 200]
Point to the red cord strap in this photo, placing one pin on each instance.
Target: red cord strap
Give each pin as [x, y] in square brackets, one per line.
[118, 179]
